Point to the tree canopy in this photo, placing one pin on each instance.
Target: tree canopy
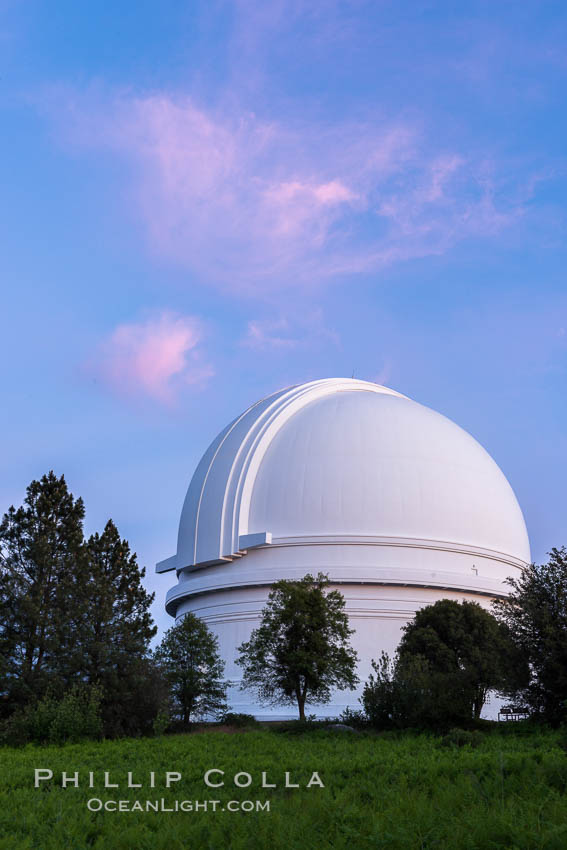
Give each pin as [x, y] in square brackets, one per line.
[73, 611]
[301, 649]
[450, 656]
[113, 638]
[190, 660]
[42, 552]
[536, 616]
[466, 648]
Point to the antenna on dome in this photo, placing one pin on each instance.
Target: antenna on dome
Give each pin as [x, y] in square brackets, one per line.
[352, 376]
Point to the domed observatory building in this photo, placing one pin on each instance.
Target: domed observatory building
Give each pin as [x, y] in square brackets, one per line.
[394, 502]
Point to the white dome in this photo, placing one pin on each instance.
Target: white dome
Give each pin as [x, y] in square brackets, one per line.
[368, 463]
[346, 458]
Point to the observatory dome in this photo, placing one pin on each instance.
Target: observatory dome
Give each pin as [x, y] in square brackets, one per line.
[396, 503]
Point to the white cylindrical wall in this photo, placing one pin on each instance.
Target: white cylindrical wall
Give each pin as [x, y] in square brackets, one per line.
[377, 614]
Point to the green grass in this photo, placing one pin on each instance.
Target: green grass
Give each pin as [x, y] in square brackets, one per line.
[380, 792]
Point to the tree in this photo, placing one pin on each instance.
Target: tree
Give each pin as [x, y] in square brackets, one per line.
[134, 698]
[301, 649]
[190, 660]
[409, 692]
[468, 652]
[113, 627]
[41, 551]
[536, 616]
[73, 613]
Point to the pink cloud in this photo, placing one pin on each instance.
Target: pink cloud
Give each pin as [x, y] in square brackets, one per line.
[253, 205]
[154, 358]
[295, 206]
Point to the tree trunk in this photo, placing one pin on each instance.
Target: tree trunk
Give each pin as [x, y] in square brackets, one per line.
[479, 702]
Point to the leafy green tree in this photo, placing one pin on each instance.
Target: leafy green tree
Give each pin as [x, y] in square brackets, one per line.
[41, 552]
[190, 660]
[536, 616]
[301, 650]
[468, 652]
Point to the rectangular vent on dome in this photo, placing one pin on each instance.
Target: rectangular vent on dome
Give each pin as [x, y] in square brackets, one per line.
[251, 541]
[167, 565]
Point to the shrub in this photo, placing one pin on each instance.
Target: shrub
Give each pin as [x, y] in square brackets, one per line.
[356, 719]
[161, 723]
[409, 693]
[462, 738]
[562, 738]
[238, 719]
[298, 727]
[73, 717]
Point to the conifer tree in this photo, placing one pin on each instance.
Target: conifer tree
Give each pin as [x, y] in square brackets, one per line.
[41, 553]
[73, 612]
[115, 629]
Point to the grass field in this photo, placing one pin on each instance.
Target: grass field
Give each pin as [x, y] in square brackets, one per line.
[413, 791]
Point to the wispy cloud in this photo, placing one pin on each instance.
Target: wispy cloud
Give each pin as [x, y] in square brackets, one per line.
[383, 376]
[154, 358]
[270, 334]
[287, 333]
[252, 204]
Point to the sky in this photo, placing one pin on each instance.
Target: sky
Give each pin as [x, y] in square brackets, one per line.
[203, 202]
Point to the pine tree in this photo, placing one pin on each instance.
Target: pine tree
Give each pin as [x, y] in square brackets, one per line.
[41, 553]
[114, 630]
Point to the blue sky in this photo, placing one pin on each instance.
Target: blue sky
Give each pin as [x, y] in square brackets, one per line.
[203, 202]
